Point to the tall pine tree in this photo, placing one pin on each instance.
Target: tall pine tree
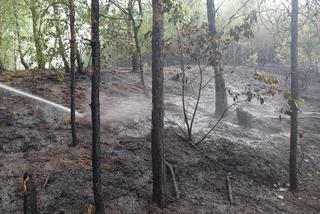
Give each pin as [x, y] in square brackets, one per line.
[294, 95]
[159, 194]
[95, 107]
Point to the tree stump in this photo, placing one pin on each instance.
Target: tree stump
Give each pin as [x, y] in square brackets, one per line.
[244, 118]
[29, 195]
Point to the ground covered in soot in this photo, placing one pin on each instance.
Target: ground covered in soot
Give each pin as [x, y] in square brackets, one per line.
[36, 137]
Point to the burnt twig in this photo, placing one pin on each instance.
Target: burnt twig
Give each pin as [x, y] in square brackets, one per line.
[230, 195]
[46, 181]
[174, 180]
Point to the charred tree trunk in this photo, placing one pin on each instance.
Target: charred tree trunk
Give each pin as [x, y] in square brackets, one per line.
[221, 102]
[136, 28]
[95, 107]
[29, 195]
[295, 97]
[80, 63]
[133, 52]
[72, 72]
[135, 62]
[21, 55]
[211, 12]
[221, 95]
[159, 194]
[139, 54]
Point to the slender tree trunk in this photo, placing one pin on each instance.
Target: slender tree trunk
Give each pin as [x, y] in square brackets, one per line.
[134, 55]
[295, 96]
[221, 102]
[136, 28]
[159, 195]
[15, 57]
[138, 50]
[95, 107]
[72, 72]
[135, 62]
[51, 56]
[1, 66]
[21, 55]
[62, 50]
[139, 55]
[36, 34]
[80, 63]
[211, 12]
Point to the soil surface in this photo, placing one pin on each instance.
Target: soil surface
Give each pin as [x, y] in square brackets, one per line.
[36, 137]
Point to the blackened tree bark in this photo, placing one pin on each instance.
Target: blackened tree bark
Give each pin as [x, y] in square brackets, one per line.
[295, 97]
[159, 194]
[136, 25]
[135, 62]
[215, 61]
[211, 12]
[134, 55]
[80, 63]
[29, 195]
[72, 71]
[95, 107]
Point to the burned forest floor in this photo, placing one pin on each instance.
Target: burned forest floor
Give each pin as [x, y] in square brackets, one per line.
[36, 137]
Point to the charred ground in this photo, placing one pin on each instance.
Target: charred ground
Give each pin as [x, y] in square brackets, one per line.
[36, 137]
